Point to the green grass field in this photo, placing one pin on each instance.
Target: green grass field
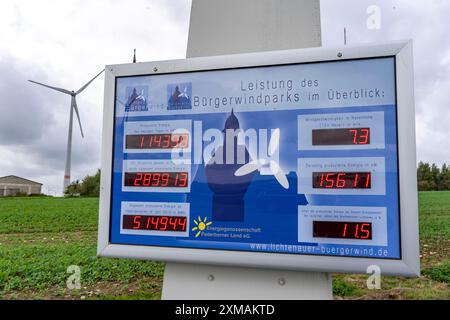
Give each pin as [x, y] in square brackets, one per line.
[41, 237]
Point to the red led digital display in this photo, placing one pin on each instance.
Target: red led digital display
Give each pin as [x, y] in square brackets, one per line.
[156, 179]
[347, 136]
[157, 141]
[154, 223]
[342, 230]
[341, 180]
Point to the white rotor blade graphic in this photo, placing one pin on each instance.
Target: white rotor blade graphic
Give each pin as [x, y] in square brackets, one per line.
[74, 105]
[279, 174]
[274, 143]
[53, 88]
[250, 167]
[275, 169]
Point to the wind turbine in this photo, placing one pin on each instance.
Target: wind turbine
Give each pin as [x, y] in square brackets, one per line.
[73, 106]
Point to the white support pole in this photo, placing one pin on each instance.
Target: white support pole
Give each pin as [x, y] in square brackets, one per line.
[236, 26]
[240, 26]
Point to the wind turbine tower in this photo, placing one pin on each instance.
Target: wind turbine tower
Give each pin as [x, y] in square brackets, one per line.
[73, 107]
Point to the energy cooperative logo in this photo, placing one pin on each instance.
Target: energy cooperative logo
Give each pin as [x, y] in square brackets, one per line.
[179, 96]
[200, 226]
[137, 99]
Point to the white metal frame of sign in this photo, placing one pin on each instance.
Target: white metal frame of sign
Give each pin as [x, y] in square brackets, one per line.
[408, 265]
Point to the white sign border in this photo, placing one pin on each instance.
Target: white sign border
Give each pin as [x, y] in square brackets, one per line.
[408, 265]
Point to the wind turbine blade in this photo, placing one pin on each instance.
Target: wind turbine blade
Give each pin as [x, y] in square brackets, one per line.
[249, 168]
[279, 174]
[75, 107]
[274, 143]
[87, 84]
[53, 88]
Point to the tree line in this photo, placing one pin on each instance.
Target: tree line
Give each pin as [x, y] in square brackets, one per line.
[431, 177]
[88, 187]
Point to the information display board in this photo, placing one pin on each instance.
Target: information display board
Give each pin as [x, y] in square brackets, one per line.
[299, 159]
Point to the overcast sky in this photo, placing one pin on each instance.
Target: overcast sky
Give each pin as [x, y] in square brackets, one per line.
[65, 43]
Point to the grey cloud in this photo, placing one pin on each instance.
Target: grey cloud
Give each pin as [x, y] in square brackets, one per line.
[25, 111]
[49, 151]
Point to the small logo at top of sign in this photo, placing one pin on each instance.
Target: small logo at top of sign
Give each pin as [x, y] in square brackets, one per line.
[179, 96]
[137, 99]
[200, 226]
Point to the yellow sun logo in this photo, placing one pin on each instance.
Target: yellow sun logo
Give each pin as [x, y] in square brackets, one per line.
[200, 226]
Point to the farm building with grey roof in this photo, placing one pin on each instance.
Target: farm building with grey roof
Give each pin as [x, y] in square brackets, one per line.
[13, 185]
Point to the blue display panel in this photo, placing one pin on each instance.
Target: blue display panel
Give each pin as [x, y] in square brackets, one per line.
[298, 159]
